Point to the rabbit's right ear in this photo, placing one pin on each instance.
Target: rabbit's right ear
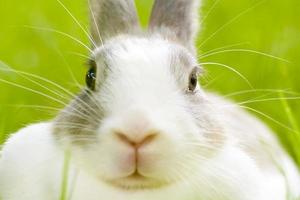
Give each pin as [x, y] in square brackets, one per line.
[110, 18]
[176, 20]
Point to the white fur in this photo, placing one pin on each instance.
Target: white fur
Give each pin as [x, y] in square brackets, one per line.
[204, 147]
[32, 159]
[31, 169]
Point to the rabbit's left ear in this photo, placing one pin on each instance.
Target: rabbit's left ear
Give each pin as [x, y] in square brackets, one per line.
[110, 18]
[177, 20]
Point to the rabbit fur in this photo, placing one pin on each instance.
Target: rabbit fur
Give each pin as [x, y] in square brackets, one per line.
[199, 145]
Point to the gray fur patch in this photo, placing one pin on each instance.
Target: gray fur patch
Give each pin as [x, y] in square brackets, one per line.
[176, 20]
[182, 63]
[80, 119]
[113, 17]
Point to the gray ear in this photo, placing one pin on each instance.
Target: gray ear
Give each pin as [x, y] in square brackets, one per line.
[176, 20]
[112, 17]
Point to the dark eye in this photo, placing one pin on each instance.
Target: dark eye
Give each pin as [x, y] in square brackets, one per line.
[193, 79]
[90, 78]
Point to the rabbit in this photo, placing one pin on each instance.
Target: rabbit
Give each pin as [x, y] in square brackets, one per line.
[143, 128]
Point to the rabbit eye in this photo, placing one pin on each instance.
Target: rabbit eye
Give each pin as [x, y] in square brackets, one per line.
[90, 78]
[193, 80]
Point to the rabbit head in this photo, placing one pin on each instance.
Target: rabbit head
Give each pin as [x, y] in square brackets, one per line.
[142, 121]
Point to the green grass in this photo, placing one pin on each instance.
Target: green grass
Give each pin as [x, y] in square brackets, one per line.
[65, 177]
[269, 27]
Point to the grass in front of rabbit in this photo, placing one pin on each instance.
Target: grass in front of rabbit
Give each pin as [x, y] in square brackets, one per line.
[244, 47]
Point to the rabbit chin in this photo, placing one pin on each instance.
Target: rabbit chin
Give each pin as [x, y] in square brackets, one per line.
[137, 182]
[148, 175]
[121, 174]
[140, 177]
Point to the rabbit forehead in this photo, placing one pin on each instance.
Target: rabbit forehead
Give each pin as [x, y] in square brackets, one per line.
[136, 55]
[131, 47]
[143, 68]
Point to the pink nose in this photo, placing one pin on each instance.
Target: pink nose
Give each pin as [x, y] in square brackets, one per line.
[136, 142]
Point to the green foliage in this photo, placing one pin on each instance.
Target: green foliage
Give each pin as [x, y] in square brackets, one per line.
[65, 177]
[268, 27]
[244, 26]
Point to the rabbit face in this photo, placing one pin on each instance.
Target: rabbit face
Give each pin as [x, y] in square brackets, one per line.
[146, 119]
[144, 122]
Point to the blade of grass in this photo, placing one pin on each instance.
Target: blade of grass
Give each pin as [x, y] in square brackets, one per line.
[2, 128]
[293, 137]
[65, 176]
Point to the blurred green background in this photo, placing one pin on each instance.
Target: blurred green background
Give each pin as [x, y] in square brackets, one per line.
[234, 30]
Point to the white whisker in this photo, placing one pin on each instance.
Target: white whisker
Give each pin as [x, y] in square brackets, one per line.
[76, 82]
[230, 22]
[33, 91]
[52, 91]
[230, 68]
[260, 90]
[61, 33]
[77, 22]
[78, 54]
[222, 48]
[269, 117]
[245, 50]
[269, 99]
[209, 12]
[95, 22]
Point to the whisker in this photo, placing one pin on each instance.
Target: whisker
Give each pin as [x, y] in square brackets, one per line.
[76, 82]
[222, 48]
[214, 170]
[195, 184]
[269, 99]
[39, 78]
[231, 69]
[269, 117]
[41, 94]
[230, 22]
[209, 12]
[41, 107]
[87, 137]
[94, 20]
[77, 22]
[260, 90]
[32, 106]
[93, 99]
[70, 123]
[61, 33]
[55, 84]
[210, 82]
[203, 145]
[78, 54]
[33, 91]
[55, 92]
[260, 113]
[245, 50]
[82, 128]
[69, 69]
[260, 96]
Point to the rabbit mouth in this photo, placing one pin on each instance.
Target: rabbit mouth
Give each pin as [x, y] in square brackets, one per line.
[137, 181]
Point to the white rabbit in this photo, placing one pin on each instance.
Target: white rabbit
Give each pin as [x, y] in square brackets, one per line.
[143, 129]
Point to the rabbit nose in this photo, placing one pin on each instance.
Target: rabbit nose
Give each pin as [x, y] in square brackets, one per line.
[137, 142]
